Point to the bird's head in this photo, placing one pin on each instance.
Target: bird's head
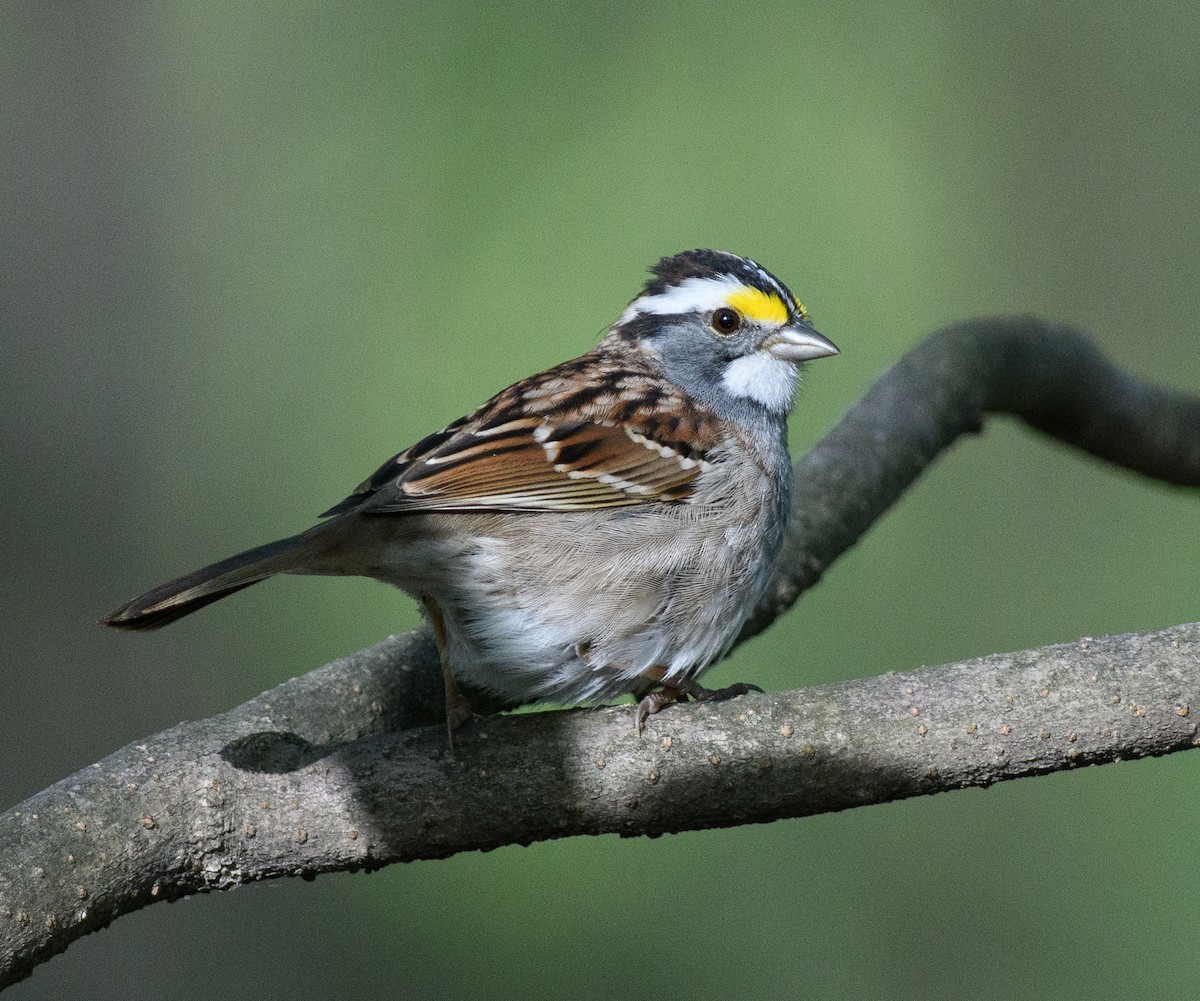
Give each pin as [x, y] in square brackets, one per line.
[727, 330]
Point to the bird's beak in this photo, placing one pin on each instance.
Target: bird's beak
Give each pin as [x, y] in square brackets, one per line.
[797, 341]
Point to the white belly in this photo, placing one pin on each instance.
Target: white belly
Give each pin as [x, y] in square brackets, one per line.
[664, 589]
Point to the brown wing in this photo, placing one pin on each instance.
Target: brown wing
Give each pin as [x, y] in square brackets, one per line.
[587, 434]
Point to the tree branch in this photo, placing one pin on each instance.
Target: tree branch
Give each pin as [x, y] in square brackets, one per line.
[330, 771]
[1050, 376]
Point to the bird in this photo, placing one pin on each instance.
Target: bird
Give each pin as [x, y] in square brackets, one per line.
[602, 528]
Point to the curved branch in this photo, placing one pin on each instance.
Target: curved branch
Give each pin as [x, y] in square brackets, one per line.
[325, 772]
[1050, 376]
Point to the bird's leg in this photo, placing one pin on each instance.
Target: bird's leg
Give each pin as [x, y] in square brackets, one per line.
[681, 691]
[458, 709]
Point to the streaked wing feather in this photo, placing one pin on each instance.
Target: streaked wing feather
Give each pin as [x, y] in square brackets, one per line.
[538, 467]
[590, 433]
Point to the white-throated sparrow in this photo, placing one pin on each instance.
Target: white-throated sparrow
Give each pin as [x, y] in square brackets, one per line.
[603, 527]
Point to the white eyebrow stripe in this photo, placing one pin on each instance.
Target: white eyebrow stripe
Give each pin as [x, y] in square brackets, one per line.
[689, 296]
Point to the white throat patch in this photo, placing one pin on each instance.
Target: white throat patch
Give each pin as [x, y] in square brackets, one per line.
[768, 381]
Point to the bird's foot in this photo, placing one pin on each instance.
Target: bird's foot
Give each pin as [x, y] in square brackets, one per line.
[681, 691]
[695, 690]
[653, 702]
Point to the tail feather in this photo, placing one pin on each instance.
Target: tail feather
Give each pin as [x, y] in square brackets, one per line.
[193, 591]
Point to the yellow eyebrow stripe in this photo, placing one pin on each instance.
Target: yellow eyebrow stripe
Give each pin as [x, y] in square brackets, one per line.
[757, 305]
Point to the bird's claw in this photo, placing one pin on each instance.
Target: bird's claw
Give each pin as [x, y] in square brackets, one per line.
[681, 691]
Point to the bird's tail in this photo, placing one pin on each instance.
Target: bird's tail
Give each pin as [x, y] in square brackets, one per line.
[192, 591]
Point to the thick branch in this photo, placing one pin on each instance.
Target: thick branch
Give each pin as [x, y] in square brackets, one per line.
[323, 773]
[244, 796]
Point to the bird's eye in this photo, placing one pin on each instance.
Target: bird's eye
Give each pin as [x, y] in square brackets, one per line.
[726, 320]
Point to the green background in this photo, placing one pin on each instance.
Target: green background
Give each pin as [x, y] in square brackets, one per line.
[251, 250]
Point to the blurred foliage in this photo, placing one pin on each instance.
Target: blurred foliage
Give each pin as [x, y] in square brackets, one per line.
[251, 250]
